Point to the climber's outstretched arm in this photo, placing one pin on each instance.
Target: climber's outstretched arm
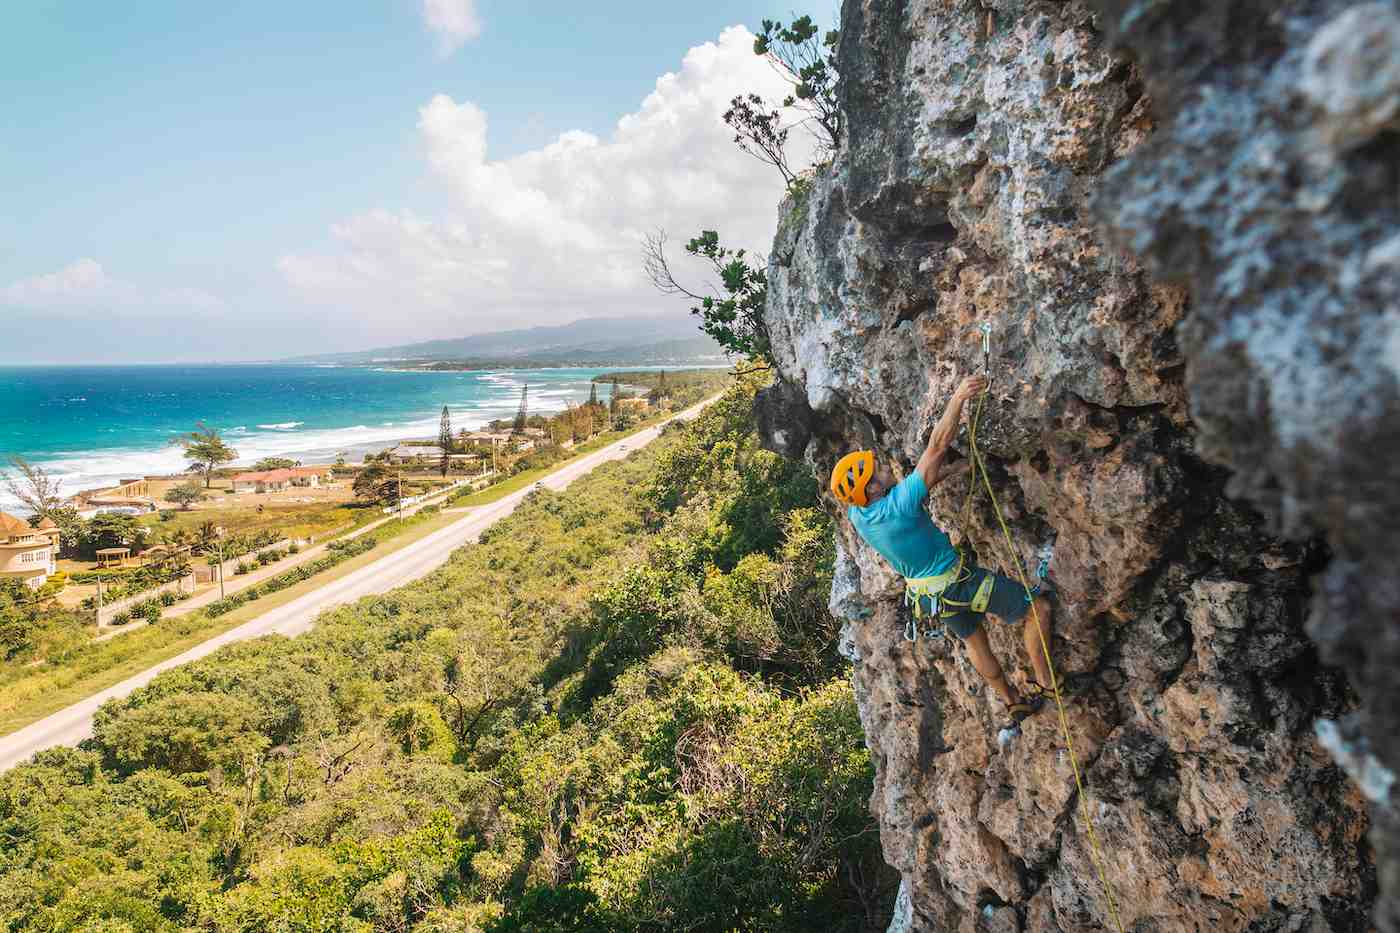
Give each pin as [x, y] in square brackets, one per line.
[944, 433]
[947, 471]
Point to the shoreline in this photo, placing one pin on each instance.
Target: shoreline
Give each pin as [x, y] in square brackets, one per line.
[281, 431]
[314, 454]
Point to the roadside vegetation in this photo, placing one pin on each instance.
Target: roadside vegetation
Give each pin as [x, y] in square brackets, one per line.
[52, 658]
[621, 710]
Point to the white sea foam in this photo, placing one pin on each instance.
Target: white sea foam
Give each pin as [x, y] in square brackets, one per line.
[283, 426]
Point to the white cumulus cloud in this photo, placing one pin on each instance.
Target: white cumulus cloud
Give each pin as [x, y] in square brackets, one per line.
[79, 279]
[454, 22]
[555, 233]
[84, 283]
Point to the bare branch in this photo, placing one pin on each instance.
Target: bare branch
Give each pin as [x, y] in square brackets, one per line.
[34, 487]
[658, 270]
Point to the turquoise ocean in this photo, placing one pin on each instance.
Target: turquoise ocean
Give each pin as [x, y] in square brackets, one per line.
[93, 425]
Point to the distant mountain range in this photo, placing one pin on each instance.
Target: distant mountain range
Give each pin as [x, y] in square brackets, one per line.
[591, 342]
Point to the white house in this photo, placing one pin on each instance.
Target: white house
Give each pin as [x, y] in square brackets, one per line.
[277, 480]
[27, 554]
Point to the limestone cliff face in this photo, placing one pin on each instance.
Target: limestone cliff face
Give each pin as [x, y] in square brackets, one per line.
[1008, 163]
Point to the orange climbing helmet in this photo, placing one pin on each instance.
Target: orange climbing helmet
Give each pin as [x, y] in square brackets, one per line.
[850, 476]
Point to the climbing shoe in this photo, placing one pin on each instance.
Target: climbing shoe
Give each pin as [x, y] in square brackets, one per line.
[1028, 707]
[1068, 688]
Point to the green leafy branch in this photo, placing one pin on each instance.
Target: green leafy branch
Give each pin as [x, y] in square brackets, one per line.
[733, 312]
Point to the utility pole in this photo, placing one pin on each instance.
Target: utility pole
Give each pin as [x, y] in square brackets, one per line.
[99, 600]
[400, 495]
[220, 539]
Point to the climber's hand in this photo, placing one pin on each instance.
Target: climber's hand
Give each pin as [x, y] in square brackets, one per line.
[970, 387]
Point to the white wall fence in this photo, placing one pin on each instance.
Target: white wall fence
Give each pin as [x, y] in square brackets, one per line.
[410, 501]
[110, 610]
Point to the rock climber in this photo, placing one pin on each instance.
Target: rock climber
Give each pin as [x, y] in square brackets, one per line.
[939, 580]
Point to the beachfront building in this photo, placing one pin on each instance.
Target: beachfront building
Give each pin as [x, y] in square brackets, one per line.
[27, 554]
[129, 497]
[406, 453]
[488, 438]
[637, 404]
[431, 456]
[278, 480]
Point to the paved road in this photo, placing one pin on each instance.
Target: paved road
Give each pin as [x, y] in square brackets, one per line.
[72, 725]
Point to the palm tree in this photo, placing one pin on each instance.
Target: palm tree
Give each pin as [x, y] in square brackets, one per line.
[205, 536]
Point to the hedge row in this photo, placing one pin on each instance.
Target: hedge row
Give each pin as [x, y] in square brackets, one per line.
[339, 551]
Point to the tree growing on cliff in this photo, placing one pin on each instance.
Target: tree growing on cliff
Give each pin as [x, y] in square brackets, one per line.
[733, 311]
[206, 450]
[809, 63]
[759, 131]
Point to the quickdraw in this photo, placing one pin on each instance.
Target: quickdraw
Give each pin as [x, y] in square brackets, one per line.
[1042, 571]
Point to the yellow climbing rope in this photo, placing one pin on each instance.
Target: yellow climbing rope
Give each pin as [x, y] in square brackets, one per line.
[979, 467]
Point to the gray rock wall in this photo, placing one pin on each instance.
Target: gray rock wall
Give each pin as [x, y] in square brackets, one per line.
[990, 145]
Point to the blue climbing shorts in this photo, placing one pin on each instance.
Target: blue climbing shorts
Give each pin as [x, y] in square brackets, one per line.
[1007, 601]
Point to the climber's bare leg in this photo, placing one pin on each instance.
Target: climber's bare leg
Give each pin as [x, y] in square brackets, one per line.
[986, 663]
[1035, 648]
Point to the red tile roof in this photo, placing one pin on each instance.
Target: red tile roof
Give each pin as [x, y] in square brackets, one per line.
[13, 527]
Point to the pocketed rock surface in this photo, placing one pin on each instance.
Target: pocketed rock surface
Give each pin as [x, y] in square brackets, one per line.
[1008, 163]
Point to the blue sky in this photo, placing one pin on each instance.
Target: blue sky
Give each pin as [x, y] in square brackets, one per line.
[258, 179]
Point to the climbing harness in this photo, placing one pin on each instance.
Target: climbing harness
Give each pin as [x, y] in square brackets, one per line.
[979, 468]
[934, 590]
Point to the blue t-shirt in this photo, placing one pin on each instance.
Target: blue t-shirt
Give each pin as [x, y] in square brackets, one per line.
[899, 527]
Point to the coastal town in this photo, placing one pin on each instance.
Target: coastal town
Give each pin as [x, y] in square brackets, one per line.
[115, 559]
